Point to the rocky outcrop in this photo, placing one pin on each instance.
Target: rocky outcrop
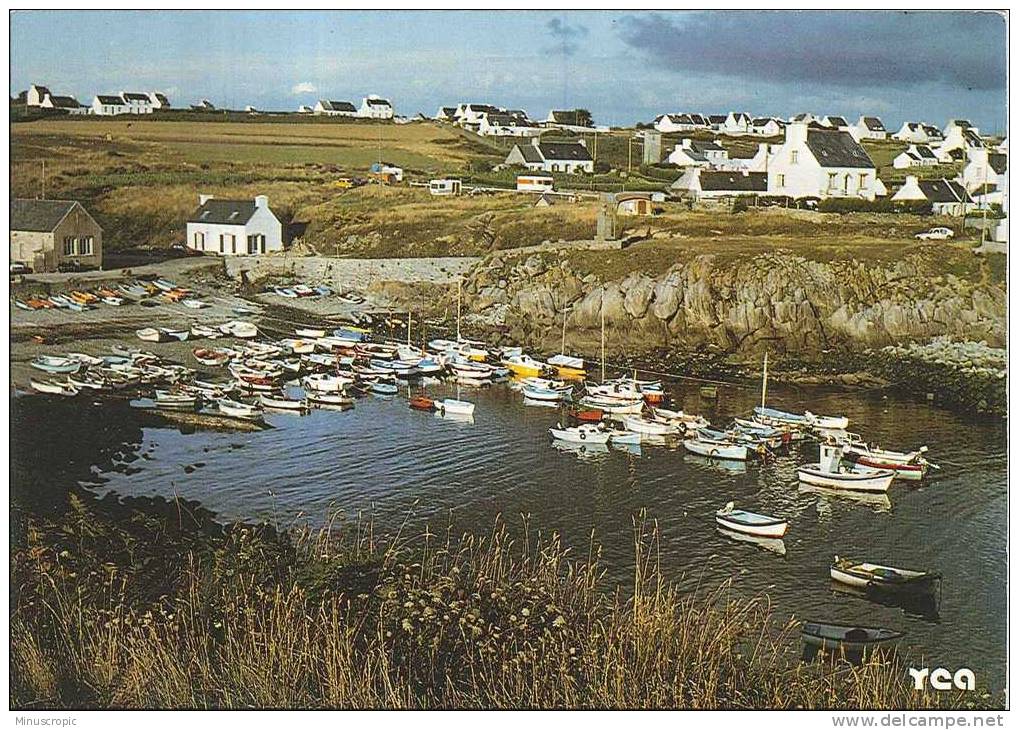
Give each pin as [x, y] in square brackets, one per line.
[781, 302]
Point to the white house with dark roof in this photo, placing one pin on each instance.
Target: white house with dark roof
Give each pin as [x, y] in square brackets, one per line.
[736, 123]
[681, 122]
[107, 105]
[868, 128]
[698, 183]
[374, 107]
[984, 168]
[500, 124]
[697, 153]
[64, 103]
[918, 133]
[234, 227]
[820, 163]
[445, 114]
[159, 100]
[330, 108]
[959, 139]
[767, 127]
[568, 157]
[835, 122]
[137, 102]
[35, 95]
[916, 155]
[947, 197]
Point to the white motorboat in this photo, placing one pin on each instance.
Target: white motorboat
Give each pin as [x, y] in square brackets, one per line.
[181, 401]
[327, 383]
[584, 433]
[282, 403]
[612, 405]
[750, 523]
[829, 472]
[909, 465]
[638, 424]
[630, 438]
[716, 449]
[827, 423]
[324, 398]
[688, 421]
[454, 406]
[236, 409]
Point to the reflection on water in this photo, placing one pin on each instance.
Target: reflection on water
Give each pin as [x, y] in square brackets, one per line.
[772, 544]
[399, 464]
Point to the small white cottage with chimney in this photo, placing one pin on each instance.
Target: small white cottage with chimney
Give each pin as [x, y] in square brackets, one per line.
[234, 227]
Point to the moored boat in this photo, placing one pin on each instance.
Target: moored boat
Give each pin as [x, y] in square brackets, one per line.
[282, 403]
[830, 473]
[750, 523]
[236, 409]
[716, 449]
[55, 364]
[850, 638]
[455, 406]
[422, 403]
[584, 433]
[870, 575]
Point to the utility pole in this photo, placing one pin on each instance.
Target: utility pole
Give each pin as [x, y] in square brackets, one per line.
[44, 179]
[629, 153]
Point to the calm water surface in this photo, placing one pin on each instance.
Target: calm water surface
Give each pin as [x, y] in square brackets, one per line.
[385, 459]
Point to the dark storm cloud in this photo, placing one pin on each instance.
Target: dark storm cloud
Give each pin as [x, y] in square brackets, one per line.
[566, 35]
[848, 49]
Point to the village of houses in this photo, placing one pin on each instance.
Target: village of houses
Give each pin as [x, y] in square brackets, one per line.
[801, 161]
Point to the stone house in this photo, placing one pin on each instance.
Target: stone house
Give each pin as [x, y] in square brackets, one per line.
[48, 233]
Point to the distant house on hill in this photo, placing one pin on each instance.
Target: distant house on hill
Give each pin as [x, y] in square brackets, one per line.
[820, 163]
[835, 122]
[960, 139]
[203, 106]
[48, 233]
[36, 94]
[918, 133]
[64, 103]
[159, 100]
[569, 157]
[983, 168]
[868, 128]
[373, 107]
[137, 102]
[331, 108]
[946, 197]
[695, 153]
[916, 155]
[446, 114]
[767, 126]
[106, 105]
[698, 183]
[234, 227]
[736, 123]
[681, 122]
[498, 124]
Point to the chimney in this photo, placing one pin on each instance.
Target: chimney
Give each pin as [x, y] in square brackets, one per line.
[536, 140]
[911, 181]
[685, 144]
[203, 199]
[261, 201]
[796, 132]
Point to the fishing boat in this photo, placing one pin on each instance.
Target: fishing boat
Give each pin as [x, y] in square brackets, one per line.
[584, 433]
[750, 523]
[282, 403]
[236, 409]
[612, 405]
[850, 638]
[51, 388]
[326, 383]
[422, 403]
[910, 465]
[775, 417]
[639, 424]
[687, 421]
[242, 330]
[170, 399]
[384, 387]
[716, 449]
[525, 366]
[545, 390]
[54, 364]
[214, 358]
[586, 416]
[829, 472]
[324, 398]
[455, 406]
[869, 575]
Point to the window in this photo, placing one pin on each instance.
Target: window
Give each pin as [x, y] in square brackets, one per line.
[222, 243]
[69, 246]
[256, 243]
[85, 246]
[863, 182]
[794, 157]
[200, 241]
[831, 180]
[233, 243]
[780, 180]
[845, 184]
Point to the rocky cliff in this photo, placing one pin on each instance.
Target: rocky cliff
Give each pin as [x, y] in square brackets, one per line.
[777, 301]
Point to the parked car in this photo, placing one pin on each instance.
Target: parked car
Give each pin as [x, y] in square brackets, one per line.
[936, 234]
[20, 267]
[184, 250]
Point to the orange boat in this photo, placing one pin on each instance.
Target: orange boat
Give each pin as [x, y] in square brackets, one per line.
[422, 403]
[589, 416]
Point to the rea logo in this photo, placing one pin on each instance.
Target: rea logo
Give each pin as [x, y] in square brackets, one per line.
[941, 679]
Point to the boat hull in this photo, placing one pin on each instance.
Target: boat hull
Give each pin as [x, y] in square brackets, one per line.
[875, 481]
[773, 530]
[732, 452]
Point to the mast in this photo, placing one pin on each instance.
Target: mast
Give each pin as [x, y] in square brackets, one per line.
[563, 350]
[764, 380]
[408, 328]
[458, 285]
[603, 339]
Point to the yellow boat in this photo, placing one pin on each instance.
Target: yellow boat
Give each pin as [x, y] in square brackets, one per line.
[567, 366]
[525, 366]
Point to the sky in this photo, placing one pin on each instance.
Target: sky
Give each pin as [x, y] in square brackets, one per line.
[625, 67]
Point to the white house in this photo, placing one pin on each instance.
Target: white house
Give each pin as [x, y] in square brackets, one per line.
[958, 142]
[835, 122]
[159, 100]
[946, 197]
[681, 122]
[331, 108]
[498, 124]
[916, 155]
[445, 114]
[67, 103]
[984, 168]
[735, 123]
[695, 153]
[767, 126]
[568, 157]
[805, 117]
[571, 119]
[697, 183]
[868, 128]
[305, 109]
[959, 124]
[137, 102]
[374, 107]
[36, 94]
[234, 227]
[469, 116]
[820, 163]
[108, 106]
[918, 132]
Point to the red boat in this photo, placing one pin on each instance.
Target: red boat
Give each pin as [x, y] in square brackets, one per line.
[654, 398]
[590, 416]
[422, 403]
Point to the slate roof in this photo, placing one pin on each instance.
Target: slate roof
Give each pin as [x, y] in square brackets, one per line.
[836, 148]
[564, 151]
[873, 124]
[64, 102]
[998, 162]
[530, 153]
[944, 191]
[721, 180]
[337, 106]
[972, 138]
[717, 118]
[378, 102]
[923, 151]
[508, 120]
[932, 131]
[42, 90]
[161, 98]
[570, 117]
[963, 123]
[110, 100]
[838, 121]
[134, 96]
[39, 215]
[224, 212]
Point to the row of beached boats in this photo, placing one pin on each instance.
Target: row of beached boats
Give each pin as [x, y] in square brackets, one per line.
[145, 292]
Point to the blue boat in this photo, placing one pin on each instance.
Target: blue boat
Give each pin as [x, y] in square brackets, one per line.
[383, 388]
[777, 416]
[324, 291]
[351, 333]
[51, 364]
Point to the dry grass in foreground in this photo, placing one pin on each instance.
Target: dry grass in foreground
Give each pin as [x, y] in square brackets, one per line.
[142, 615]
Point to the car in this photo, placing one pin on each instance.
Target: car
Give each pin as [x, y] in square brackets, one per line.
[20, 267]
[936, 234]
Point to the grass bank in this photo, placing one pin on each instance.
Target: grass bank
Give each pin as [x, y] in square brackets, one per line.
[115, 606]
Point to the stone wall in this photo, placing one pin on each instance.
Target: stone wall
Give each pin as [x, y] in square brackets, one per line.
[349, 273]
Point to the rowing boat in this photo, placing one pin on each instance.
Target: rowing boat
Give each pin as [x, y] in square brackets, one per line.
[750, 523]
[716, 449]
[584, 433]
[851, 638]
[870, 575]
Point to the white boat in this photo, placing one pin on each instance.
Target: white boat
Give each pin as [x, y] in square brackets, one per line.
[50, 388]
[911, 465]
[299, 347]
[151, 334]
[869, 575]
[282, 403]
[179, 335]
[195, 303]
[454, 406]
[631, 438]
[827, 423]
[612, 390]
[638, 424]
[545, 390]
[320, 397]
[688, 421]
[327, 383]
[750, 523]
[587, 433]
[242, 330]
[236, 409]
[113, 301]
[200, 330]
[829, 472]
[310, 333]
[612, 405]
[168, 399]
[716, 449]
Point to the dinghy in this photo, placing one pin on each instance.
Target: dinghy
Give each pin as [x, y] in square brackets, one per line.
[525, 366]
[584, 433]
[298, 347]
[455, 406]
[830, 473]
[628, 438]
[282, 403]
[179, 401]
[51, 388]
[213, 358]
[849, 638]
[151, 334]
[612, 405]
[687, 421]
[236, 409]
[750, 523]
[384, 387]
[869, 575]
[567, 366]
[57, 365]
[716, 449]
[310, 333]
[241, 330]
[326, 383]
[285, 292]
[194, 303]
[639, 424]
[113, 301]
[422, 403]
[545, 390]
[324, 398]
